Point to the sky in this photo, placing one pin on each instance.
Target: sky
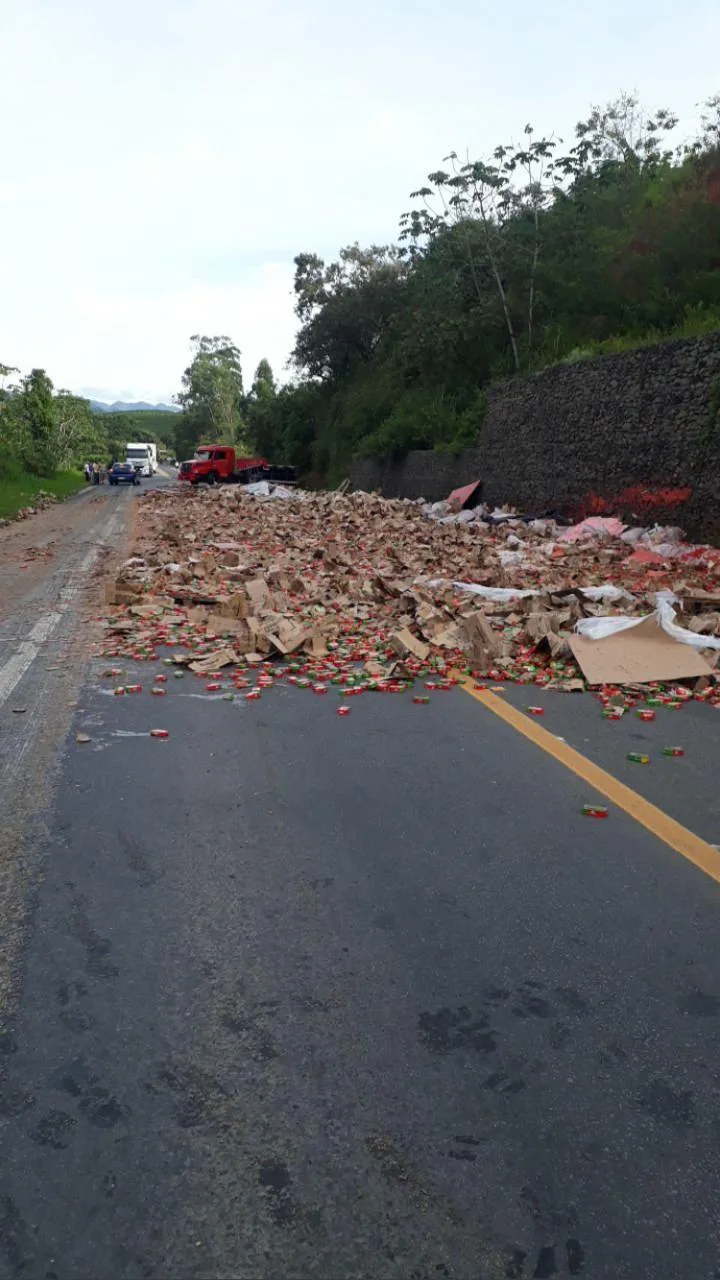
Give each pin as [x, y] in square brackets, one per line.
[163, 161]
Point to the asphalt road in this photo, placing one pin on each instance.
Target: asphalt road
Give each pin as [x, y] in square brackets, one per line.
[303, 996]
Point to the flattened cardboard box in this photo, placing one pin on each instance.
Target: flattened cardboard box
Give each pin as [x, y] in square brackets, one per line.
[637, 655]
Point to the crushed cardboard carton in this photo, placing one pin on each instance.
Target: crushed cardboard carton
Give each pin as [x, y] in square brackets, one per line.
[214, 661]
[405, 643]
[482, 645]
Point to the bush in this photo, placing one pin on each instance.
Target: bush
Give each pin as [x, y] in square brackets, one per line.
[11, 467]
[426, 419]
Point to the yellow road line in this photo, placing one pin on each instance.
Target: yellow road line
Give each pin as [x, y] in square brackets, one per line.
[661, 824]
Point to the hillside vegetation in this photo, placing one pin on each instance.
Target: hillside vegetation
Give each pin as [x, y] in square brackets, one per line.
[537, 254]
[44, 432]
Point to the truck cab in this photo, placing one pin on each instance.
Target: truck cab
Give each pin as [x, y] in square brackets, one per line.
[217, 463]
[140, 457]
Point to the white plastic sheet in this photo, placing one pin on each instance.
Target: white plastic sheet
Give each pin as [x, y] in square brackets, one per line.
[262, 489]
[601, 628]
[499, 595]
[608, 594]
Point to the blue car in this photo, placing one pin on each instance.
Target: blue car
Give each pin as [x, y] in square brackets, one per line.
[123, 473]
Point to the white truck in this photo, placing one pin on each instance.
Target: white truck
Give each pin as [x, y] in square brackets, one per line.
[142, 456]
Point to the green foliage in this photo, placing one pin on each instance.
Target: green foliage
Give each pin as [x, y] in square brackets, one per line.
[156, 425]
[506, 264]
[345, 308]
[10, 465]
[80, 434]
[697, 322]
[38, 425]
[299, 410]
[47, 431]
[264, 429]
[211, 396]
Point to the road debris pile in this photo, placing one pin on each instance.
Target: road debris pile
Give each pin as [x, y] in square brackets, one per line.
[375, 593]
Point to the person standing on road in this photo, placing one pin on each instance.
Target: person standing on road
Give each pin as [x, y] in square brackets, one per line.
[96, 473]
[88, 472]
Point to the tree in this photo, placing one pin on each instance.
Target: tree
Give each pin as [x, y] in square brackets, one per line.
[263, 422]
[346, 308]
[80, 433]
[36, 411]
[483, 195]
[6, 370]
[709, 140]
[263, 386]
[211, 396]
[12, 429]
[621, 133]
[299, 413]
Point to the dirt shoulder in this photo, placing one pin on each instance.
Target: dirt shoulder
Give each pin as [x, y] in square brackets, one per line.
[32, 550]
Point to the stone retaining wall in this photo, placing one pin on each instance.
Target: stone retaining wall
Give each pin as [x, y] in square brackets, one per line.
[633, 433]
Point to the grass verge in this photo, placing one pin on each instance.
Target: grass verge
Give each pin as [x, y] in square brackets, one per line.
[22, 489]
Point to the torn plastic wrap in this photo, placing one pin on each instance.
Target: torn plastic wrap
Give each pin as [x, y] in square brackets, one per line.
[664, 615]
[606, 594]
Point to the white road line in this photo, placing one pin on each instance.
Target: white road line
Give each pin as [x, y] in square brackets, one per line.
[44, 628]
[14, 669]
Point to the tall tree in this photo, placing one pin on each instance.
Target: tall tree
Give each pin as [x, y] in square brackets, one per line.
[263, 420]
[484, 196]
[263, 384]
[211, 395]
[36, 409]
[80, 433]
[346, 308]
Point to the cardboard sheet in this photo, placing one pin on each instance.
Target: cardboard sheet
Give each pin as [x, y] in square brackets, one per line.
[468, 495]
[637, 656]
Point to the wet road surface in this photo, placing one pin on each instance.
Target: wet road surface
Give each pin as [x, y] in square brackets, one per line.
[303, 996]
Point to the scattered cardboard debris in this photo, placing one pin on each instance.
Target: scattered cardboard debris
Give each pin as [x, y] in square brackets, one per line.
[223, 577]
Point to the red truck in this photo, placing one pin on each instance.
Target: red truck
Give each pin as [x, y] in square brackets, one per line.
[218, 463]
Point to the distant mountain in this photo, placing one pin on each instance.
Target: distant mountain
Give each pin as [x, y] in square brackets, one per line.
[124, 406]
